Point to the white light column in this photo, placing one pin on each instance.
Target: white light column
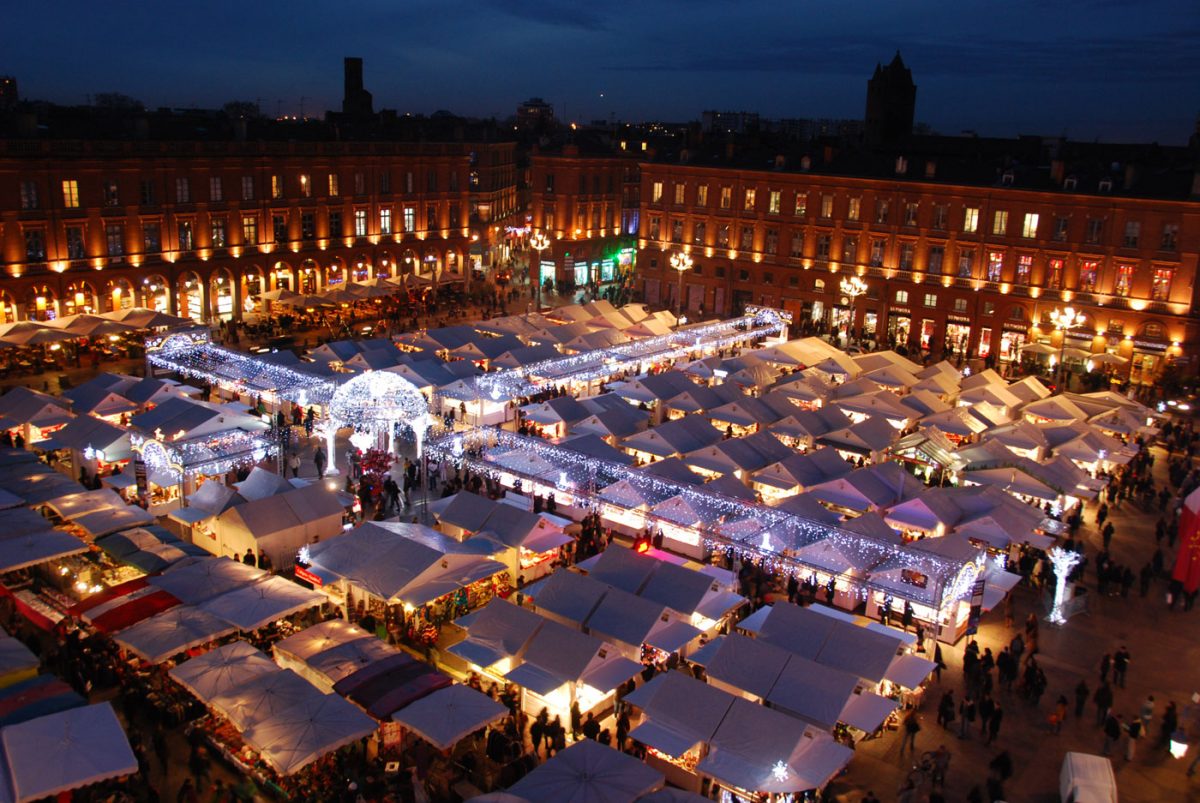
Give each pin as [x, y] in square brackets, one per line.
[1063, 561]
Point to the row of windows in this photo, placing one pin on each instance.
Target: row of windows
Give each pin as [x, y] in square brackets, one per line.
[303, 186]
[1029, 225]
[185, 231]
[994, 265]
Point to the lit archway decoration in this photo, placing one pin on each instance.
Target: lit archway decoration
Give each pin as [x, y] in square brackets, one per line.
[377, 402]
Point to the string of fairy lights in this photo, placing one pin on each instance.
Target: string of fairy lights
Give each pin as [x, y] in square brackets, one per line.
[599, 363]
[769, 534]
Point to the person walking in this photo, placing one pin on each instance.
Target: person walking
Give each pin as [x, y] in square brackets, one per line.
[320, 460]
[1133, 732]
[946, 709]
[1113, 727]
[1059, 714]
[994, 723]
[1103, 698]
[1120, 666]
[941, 763]
[966, 710]
[911, 728]
[1081, 697]
[1105, 665]
[294, 464]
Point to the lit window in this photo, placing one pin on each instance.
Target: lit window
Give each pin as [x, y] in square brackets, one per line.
[410, 218]
[726, 197]
[910, 214]
[931, 299]
[901, 296]
[1124, 280]
[656, 191]
[995, 265]
[960, 305]
[801, 204]
[276, 187]
[854, 208]
[826, 206]
[218, 233]
[750, 198]
[702, 195]
[385, 221]
[70, 189]
[1024, 268]
[679, 191]
[249, 229]
[305, 186]
[882, 207]
[773, 202]
[333, 185]
[1054, 274]
[1000, 222]
[360, 223]
[1160, 290]
[1087, 275]
[1029, 227]
[971, 219]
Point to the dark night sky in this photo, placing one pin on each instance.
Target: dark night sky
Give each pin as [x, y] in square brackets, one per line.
[1117, 70]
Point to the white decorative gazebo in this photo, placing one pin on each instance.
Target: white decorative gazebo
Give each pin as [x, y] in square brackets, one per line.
[375, 403]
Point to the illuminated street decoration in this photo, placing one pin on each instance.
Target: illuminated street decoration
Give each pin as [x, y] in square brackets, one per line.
[376, 403]
[1063, 561]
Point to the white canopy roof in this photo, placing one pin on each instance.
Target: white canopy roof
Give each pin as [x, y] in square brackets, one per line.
[299, 734]
[588, 772]
[497, 631]
[64, 751]
[813, 692]
[222, 669]
[165, 634]
[753, 741]
[250, 607]
[99, 523]
[446, 716]
[263, 697]
[680, 712]
[193, 581]
[30, 549]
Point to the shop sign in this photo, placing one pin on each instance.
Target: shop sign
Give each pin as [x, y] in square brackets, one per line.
[976, 607]
[309, 577]
[958, 319]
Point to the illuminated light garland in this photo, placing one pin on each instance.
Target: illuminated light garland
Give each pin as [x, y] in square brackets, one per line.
[502, 453]
[213, 454]
[599, 363]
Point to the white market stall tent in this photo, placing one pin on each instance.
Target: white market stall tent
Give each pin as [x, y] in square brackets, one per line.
[250, 607]
[330, 651]
[757, 749]
[448, 715]
[299, 735]
[53, 754]
[588, 772]
[32, 548]
[171, 632]
[194, 580]
[217, 671]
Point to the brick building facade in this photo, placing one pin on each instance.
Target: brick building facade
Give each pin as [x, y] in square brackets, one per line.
[588, 207]
[198, 228]
[949, 266]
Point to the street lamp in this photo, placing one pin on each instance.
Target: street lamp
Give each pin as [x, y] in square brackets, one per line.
[1065, 319]
[682, 263]
[852, 288]
[539, 242]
